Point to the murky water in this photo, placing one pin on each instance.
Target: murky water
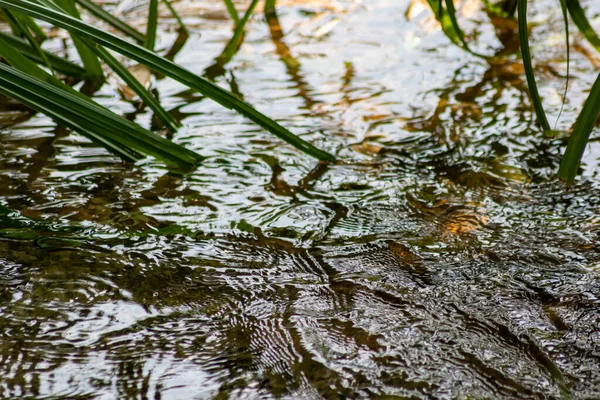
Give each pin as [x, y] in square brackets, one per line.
[437, 259]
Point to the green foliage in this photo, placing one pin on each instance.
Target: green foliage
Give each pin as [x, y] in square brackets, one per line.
[132, 141]
[528, 65]
[118, 134]
[588, 115]
[581, 134]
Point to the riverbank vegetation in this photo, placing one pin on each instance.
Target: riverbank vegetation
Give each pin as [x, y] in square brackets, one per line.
[44, 81]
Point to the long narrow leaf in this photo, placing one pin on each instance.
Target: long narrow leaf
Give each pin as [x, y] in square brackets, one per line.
[450, 27]
[176, 16]
[88, 58]
[150, 39]
[110, 19]
[578, 16]
[22, 63]
[563, 7]
[134, 84]
[17, 20]
[35, 28]
[232, 11]
[58, 63]
[451, 11]
[239, 31]
[131, 81]
[526, 55]
[581, 134]
[166, 67]
[118, 134]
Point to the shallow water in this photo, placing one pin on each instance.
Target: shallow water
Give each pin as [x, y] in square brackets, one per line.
[439, 258]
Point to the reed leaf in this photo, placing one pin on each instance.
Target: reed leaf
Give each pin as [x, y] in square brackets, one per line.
[134, 84]
[449, 23]
[563, 7]
[166, 67]
[578, 16]
[58, 63]
[239, 31]
[19, 22]
[529, 74]
[232, 11]
[116, 133]
[176, 16]
[150, 39]
[110, 19]
[581, 134]
[90, 61]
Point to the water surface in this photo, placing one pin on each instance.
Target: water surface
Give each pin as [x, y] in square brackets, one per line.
[439, 258]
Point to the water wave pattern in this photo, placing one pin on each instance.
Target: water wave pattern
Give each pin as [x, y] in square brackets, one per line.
[438, 258]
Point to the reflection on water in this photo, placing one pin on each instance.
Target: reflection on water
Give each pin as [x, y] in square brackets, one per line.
[437, 259]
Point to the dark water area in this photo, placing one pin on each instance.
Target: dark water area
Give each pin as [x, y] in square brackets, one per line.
[438, 258]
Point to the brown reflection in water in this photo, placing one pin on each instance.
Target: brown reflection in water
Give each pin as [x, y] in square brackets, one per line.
[292, 64]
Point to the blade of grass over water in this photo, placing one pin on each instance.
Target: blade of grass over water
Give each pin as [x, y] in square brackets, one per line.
[526, 55]
[35, 28]
[116, 133]
[58, 63]
[581, 133]
[166, 67]
[88, 58]
[232, 47]
[134, 84]
[234, 43]
[232, 11]
[452, 15]
[578, 16]
[17, 20]
[176, 16]
[110, 19]
[22, 63]
[449, 24]
[563, 7]
[150, 39]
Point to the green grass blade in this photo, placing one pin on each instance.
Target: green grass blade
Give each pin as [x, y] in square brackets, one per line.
[449, 24]
[176, 16]
[110, 19]
[88, 58]
[35, 28]
[563, 7]
[232, 11]
[578, 16]
[58, 63]
[270, 5]
[166, 67]
[581, 134]
[134, 84]
[234, 43]
[451, 11]
[100, 124]
[17, 20]
[150, 39]
[526, 55]
[22, 63]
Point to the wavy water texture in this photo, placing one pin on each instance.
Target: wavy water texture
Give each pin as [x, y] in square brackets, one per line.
[439, 258]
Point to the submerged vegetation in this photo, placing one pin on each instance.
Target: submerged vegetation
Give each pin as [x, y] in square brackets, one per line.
[43, 81]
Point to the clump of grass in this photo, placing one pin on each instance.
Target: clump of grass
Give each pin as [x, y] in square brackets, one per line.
[589, 113]
[25, 79]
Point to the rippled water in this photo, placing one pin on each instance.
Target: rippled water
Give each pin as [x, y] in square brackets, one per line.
[438, 258]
